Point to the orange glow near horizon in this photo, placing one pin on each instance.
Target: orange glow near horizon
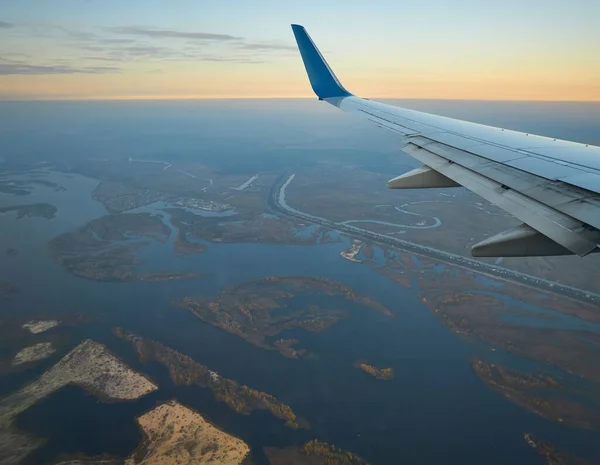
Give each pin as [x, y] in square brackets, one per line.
[287, 79]
[468, 51]
[378, 87]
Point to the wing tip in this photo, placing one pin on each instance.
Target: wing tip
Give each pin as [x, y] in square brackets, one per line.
[322, 79]
[298, 28]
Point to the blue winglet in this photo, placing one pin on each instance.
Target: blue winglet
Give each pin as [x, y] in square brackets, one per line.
[322, 79]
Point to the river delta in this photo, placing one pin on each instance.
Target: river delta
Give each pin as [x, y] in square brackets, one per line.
[227, 315]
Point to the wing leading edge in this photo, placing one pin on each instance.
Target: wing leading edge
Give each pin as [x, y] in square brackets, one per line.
[552, 186]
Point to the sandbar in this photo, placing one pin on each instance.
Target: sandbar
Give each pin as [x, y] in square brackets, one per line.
[176, 434]
[39, 326]
[34, 353]
[89, 365]
[351, 252]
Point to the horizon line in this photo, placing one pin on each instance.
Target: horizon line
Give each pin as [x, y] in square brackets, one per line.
[196, 97]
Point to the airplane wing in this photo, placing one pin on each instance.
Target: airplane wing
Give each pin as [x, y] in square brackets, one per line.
[551, 185]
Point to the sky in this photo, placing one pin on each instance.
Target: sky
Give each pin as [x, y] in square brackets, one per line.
[433, 49]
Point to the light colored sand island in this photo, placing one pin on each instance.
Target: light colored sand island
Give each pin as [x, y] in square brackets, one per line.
[351, 252]
[89, 365]
[40, 326]
[178, 435]
[34, 353]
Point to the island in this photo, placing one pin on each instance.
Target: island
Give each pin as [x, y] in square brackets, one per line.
[50, 184]
[35, 210]
[540, 394]
[551, 454]
[351, 252]
[176, 434]
[106, 248]
[379, 373]
[117, 197]
[186, 371]
[184, 246]
[284, 346]
[505, 377]
[478, 308]
[258, 310]
[91, 366]
[246, 226]
[523, 320]
[40, 326]
[313, 452]
[33, 353]
[11, 187]
[201, 204]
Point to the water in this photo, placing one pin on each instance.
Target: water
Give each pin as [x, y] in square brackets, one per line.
[435, 410]
[434, 385]
[80, 415]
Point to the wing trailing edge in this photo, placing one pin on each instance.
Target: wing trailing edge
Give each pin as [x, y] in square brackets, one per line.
[421, 178]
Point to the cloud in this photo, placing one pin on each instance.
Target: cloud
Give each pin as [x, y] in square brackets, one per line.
[118, 41]
[166, 33]
[6, 58]
[98, 58]
[117, 46]
[267, 47]
[4, 24]
[21, 68]
[239, 42]
[133, 52]
[78, 35]
[145, 53]
[216, 59]
[144, 50]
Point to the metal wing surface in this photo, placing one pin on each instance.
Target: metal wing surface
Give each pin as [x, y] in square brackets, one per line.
[551, 185]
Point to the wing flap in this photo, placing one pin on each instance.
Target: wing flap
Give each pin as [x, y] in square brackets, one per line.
[518, 242]
[559, 227]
